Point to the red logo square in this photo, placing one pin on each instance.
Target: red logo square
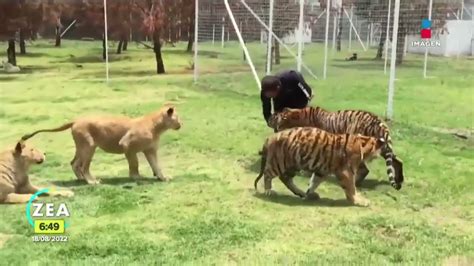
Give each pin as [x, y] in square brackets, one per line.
[426, 33]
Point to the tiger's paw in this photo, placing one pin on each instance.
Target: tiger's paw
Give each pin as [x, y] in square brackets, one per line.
[312, 196]
[269, 192]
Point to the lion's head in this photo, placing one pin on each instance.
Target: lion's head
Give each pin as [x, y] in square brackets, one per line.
[171, 118]
[28, 155]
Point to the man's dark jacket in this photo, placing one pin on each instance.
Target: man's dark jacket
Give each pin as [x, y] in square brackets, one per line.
[291, 94]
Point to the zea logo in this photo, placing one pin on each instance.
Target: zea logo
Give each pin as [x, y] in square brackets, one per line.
[47, 218]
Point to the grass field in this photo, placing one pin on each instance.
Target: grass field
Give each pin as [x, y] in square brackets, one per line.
[209, 213]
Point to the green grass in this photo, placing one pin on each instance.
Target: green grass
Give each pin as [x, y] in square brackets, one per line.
[209, 213]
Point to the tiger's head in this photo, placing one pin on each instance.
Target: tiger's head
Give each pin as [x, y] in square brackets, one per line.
[288, 118]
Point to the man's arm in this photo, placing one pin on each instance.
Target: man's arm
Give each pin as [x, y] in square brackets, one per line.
[266, 107]
[304, 85]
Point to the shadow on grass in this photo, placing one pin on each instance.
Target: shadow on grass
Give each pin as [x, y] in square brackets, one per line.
[363, 59]
[296, 201]
[69, 183]
[139, 74]
[93, 58]
[369, 64]
[211, 54]
[128, 73]
[25, 69]
[7, 78]
[373, 184]
[32, 55]
[114, 181]
[254, 166]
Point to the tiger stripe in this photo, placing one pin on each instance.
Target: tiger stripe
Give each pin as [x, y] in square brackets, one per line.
[344, 121]
[315, 150]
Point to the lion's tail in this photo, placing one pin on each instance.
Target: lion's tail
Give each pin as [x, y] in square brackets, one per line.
[61, 128]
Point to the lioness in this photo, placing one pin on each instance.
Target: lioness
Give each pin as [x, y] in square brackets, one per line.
[15, 186]
[120, 135]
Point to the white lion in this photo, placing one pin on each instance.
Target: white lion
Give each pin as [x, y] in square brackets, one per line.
[9, 68]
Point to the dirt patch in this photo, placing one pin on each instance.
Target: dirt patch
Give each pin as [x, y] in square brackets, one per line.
[4, 238]
[458, 261]
[463, 133]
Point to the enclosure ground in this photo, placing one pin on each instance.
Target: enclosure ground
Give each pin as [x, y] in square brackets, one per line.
[209, 213]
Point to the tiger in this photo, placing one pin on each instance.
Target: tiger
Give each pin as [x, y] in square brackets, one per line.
[15, 185]
[345, 121]
[320, 152]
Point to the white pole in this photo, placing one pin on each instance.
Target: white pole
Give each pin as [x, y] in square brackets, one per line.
[368, 35]
[196, 38]
[350, 29]
[277, 38]
[269, 38]
[213, 33]
[456, 15]
[405, 49]
[372, 34]
[241, 40]
[300, 39]
[387, 38]
[328, 12]
[106, 43]
[355, 31]
[334, 27]
[131, 31]
[462, 9]
[391, 84]
[426, 49]
[320, 15]
[223, 32]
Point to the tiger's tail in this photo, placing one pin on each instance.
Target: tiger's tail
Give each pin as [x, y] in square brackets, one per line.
[387, 154]
[263, 153]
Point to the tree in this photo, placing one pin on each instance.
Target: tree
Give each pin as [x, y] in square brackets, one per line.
[153, 17]
[15, 17]
[120, 22]
[187, 19]
[58, 10]
[92, 17]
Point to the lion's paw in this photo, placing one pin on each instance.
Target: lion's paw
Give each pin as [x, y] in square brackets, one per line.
[360, 201]
[64, 193]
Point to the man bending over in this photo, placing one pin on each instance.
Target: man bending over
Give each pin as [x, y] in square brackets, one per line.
[286, 89]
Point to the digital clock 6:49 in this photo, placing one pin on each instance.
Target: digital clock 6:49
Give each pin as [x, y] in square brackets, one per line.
[49, 226]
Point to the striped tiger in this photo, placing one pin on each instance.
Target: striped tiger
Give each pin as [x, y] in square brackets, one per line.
[345, 121]
[15, 185]
[320, 152]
